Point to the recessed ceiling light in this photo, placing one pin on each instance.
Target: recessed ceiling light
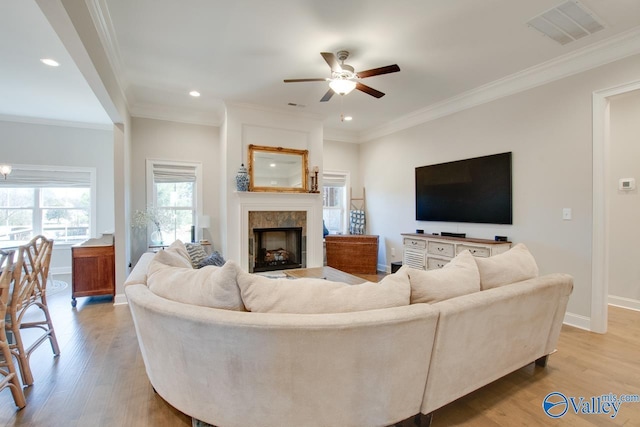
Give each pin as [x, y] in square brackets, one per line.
[50, 62]
[273, 165]
[194, 93]
[348, 118]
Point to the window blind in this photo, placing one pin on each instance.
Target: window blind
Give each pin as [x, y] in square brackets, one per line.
[41, 178]
[334, 180]
[167, 173]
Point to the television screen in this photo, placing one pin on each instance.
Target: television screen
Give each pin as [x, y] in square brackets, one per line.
[474, 190]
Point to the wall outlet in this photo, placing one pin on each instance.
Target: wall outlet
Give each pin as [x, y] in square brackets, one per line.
[393, 252]
[566, 214]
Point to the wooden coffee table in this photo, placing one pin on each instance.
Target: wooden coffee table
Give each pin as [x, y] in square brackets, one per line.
[327, 273]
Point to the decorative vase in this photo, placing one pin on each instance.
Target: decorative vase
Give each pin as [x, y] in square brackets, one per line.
[156, 237]
[242, 179]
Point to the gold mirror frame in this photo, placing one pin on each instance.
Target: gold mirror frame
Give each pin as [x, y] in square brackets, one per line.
[304, 172]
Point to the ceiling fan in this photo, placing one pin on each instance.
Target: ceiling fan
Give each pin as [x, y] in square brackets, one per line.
[344, 78]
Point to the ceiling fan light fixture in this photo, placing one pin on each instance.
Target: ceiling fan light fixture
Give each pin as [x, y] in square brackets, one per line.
[342, 86]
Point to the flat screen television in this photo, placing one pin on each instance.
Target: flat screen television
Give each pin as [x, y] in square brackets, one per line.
[476, 190]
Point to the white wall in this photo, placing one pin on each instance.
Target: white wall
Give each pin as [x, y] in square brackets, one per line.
[549, 131]
[246, 125]
[35, 144]
[624, 206]
[344, 157]
[165, 140]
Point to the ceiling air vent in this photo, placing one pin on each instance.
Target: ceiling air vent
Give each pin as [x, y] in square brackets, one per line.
[567, 22]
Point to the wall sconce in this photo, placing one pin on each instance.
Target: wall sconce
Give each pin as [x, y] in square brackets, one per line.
[5, 170]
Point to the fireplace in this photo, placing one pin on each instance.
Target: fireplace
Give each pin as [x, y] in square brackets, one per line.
[277, 248]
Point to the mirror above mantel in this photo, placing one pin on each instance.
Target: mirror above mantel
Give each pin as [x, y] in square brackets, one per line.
[277, 169]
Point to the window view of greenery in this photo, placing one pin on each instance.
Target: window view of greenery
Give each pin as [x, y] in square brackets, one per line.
[175, 206]
[62, 214]
[333, 208]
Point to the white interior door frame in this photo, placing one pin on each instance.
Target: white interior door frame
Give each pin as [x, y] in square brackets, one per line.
[600, 232]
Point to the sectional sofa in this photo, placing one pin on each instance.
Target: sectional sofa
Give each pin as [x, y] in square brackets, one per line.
[231, 348]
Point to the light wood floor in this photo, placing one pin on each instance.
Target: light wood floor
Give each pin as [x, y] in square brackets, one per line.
[99, 378]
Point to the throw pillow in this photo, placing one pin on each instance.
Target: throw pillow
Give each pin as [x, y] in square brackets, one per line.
[515, 265]
[196, 253]
[175, 256]
[458, 277]
[210, 286]
[317, 296]
[214, 259]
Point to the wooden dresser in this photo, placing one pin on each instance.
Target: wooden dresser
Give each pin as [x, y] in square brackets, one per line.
[352, 253]
[428, 252]
[93, 268]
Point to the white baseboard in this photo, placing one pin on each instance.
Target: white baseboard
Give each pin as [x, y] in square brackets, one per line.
[577, 321]
[120, 299]
[628, 303]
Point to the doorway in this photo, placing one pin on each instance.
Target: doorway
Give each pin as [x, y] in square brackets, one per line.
[601, 199]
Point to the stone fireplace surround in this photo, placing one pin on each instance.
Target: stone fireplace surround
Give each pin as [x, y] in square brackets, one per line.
[280, 210]
[278, 220]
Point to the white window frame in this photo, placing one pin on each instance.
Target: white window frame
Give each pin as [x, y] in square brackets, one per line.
[37, 208]
[347, 189]
[151, 197]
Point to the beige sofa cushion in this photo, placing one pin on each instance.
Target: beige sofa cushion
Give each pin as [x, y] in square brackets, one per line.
[317, 296]
[175, 255]
[458, 277]
[515, 265]
[210, 286]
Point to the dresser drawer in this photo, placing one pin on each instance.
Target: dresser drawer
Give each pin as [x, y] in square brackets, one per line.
[436, 263]
[441, 248]
[415, 243]
[479, 251]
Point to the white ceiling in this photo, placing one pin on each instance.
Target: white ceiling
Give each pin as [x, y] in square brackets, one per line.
[240, 51]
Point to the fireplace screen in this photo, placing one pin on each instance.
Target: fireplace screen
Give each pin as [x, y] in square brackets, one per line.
[277, 248]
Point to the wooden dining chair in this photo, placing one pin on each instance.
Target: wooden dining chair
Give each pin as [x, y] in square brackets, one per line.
[29, 291]
[8, 374]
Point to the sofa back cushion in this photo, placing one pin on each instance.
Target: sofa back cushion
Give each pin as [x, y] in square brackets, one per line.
[316, 296]
[210, 286]
[515, 265]
[175, 255]
[458, 277]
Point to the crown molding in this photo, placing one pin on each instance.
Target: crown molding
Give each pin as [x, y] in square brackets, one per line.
[587, 58]
[103, 24]
[278, 110]
[156, 112]
[340, 135]
[54, 122]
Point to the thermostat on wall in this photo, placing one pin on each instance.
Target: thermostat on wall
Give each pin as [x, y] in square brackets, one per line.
[627, 184]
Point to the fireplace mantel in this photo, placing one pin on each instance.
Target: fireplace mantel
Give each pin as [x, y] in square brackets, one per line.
[311, 203]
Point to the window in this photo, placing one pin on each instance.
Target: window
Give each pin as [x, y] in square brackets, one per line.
[334, 201]
[52, 201]
[175, 197]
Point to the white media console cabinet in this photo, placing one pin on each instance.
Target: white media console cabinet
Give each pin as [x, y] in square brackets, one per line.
[428, 251]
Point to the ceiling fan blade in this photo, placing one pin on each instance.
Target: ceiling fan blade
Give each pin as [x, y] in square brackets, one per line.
[327, 96]
[377, 71]
[369, 90]
[332, 61]
[319, 79]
